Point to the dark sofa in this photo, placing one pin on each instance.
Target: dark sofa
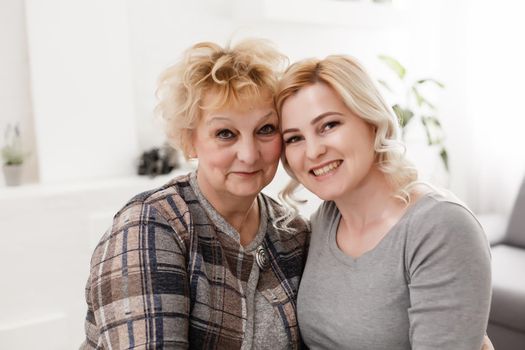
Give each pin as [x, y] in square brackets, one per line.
[506, 326]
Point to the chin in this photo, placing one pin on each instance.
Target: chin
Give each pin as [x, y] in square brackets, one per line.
[324, 195]
[246, 191]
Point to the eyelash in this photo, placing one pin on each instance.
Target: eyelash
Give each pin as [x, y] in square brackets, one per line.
[325, 127]
[272, 130]
[330, 125]
[292, 139]
[221, 134]
[265, 130]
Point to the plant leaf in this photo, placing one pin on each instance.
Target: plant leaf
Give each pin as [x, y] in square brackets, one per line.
[444, 158]
[430, 80]
[420, 99]
[434, 121]
[433, 130]
[403, 114]
[12, 151]
[394, 64]
[424, 121]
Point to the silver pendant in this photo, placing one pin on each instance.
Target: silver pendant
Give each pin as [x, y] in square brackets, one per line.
[261, 258]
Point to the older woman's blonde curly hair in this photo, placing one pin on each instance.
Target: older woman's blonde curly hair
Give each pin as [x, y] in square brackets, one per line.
[240, 76]
[352, 83]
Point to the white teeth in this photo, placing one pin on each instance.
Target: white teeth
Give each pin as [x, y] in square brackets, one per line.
[327, 168]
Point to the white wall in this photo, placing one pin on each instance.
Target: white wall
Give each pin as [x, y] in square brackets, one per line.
[81, 83]
[15, 92]
[159, 32]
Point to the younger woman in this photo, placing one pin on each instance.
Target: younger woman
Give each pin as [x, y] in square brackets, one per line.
[392, 264]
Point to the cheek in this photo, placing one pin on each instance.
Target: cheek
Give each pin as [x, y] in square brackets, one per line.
[212, 156]
[364, 154]
[293, 158]
[368, 148]
[271, 151]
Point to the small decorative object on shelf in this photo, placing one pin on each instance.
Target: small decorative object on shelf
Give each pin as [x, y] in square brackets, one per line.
[13, 155]
[158, 161]
[415, 106]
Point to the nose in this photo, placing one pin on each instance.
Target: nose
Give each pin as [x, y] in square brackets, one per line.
[248, 151]
[314, 148]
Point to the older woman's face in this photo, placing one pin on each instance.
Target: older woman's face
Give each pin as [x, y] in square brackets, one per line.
[238, 150]
[329, 149]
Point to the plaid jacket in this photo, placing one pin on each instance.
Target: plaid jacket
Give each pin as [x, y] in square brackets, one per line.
[164, 277]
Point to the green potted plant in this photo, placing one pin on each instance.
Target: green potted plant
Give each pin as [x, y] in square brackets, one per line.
[413, 107]
[13, 155]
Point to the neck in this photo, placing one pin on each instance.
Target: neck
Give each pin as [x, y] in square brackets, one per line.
[372, 201]
[237, 211]
[239, 215]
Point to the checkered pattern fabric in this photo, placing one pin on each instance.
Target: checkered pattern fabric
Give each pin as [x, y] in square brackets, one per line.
[165, 277]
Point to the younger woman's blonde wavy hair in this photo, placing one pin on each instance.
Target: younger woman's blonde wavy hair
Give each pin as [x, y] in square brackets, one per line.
[346, 76]
[240, 76]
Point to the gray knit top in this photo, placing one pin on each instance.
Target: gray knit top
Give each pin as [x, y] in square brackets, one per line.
[426, 285]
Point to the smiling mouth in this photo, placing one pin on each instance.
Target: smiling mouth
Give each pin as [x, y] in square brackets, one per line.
[328, 168]
[245, 173]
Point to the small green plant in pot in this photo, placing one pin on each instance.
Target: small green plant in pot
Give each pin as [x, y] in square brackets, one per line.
[413, 107]
[13, 155]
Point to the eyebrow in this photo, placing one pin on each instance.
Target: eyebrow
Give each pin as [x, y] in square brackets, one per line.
[225, 119]
[314, 121]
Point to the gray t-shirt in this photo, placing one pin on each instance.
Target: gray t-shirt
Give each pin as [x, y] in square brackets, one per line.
[426, 285]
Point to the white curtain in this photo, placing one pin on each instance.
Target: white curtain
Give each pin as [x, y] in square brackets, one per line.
[495, 101]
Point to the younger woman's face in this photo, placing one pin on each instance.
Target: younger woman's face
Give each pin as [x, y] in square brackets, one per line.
[238, 150]
[329, 149]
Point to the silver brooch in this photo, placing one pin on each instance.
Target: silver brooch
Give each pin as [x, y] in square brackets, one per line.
[261, 257]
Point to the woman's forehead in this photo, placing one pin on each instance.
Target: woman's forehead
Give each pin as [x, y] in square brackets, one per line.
[216, 100]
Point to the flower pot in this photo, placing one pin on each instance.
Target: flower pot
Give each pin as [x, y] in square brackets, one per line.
[12, 174]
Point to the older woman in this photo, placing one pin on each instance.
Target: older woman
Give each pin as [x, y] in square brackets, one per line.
[201, 262]
[393, 264]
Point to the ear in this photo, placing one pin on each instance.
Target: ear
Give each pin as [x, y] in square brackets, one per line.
[191, 140]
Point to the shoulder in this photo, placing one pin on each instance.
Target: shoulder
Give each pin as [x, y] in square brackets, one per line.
[435, 210]
[175, 193]
[163, 209]
[441, 221]
[169, 200]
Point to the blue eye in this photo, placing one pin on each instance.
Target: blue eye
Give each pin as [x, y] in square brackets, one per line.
[225, 134]
[267, 129]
